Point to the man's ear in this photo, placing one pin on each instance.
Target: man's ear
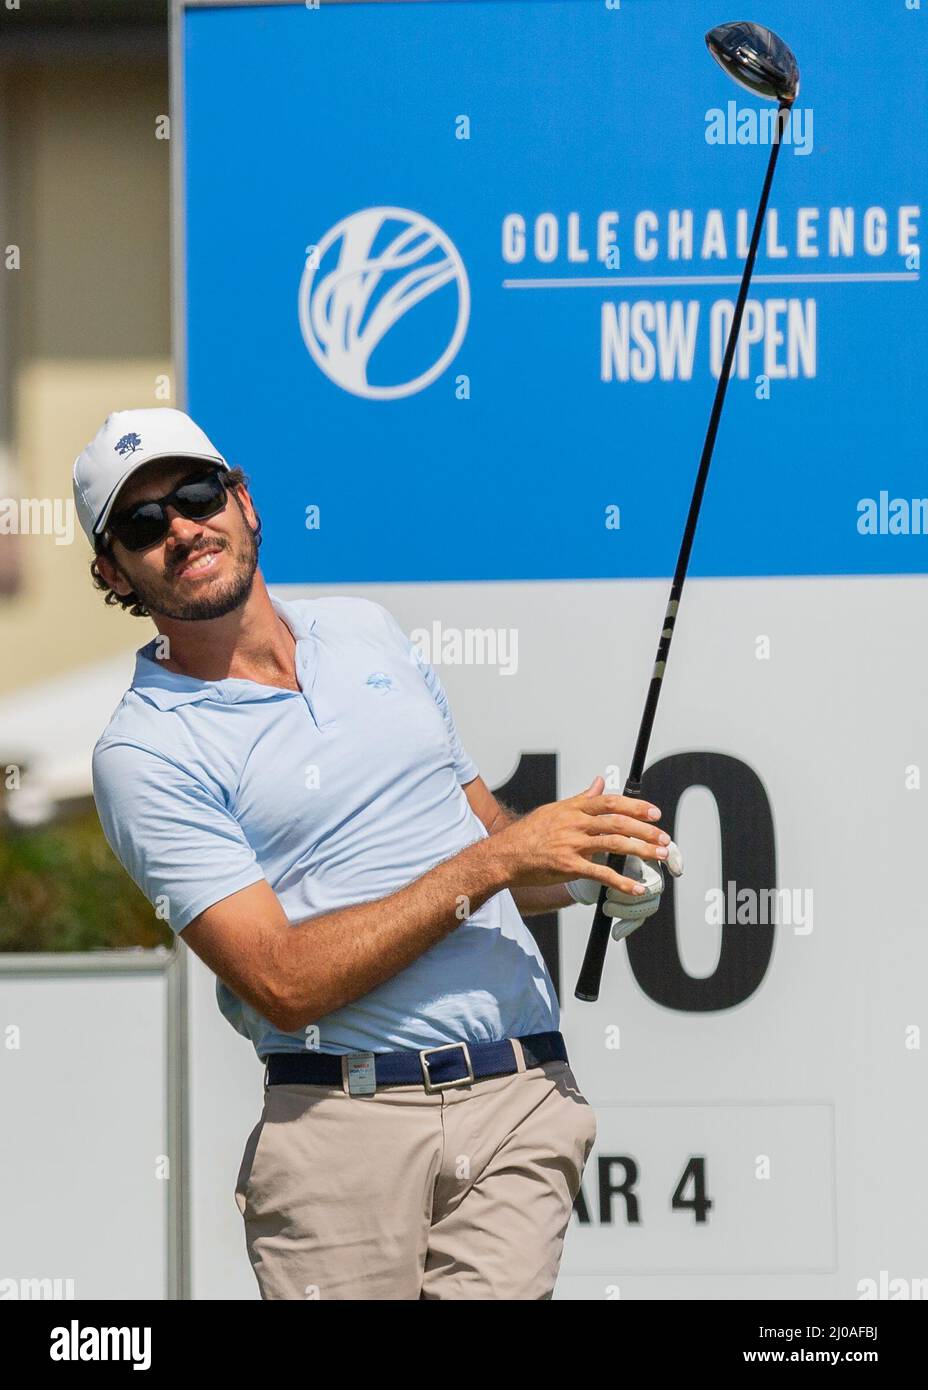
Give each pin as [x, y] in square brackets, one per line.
[244, 500]
[108, 571]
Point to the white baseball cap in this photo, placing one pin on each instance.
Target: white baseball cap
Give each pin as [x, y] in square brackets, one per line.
[125, 442]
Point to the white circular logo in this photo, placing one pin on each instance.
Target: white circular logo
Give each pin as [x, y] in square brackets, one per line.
[359, 288]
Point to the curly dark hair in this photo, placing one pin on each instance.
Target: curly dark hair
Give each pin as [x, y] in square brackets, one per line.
[233, 479]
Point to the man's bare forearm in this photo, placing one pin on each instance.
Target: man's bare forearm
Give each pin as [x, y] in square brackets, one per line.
[327, 962]
[531, 901]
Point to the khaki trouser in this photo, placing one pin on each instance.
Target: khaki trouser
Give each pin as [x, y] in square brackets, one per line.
[462, 1194]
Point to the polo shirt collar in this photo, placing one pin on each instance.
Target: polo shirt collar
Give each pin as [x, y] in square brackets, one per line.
[168, 690]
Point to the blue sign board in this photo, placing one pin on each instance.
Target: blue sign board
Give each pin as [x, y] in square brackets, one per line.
[458, 277]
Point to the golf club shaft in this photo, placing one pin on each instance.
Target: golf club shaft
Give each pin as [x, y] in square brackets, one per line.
[592, 969]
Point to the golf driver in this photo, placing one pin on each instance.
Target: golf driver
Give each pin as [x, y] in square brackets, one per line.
[761, 62]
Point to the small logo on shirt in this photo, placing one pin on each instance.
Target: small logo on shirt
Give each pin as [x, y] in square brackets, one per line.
[380, 681]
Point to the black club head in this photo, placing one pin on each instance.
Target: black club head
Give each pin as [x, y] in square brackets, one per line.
[757, 59]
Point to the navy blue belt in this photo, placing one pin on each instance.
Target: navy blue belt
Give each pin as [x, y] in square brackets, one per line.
[435, 1068]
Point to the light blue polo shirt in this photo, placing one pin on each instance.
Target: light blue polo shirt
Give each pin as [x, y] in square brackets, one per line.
[338, 794]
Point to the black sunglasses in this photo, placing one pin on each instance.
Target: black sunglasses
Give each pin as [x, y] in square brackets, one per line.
[147, 522]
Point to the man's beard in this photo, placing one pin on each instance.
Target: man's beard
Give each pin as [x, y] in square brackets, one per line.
[221, 599]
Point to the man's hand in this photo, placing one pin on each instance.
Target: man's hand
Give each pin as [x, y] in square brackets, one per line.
[630, 911]
[558, 842]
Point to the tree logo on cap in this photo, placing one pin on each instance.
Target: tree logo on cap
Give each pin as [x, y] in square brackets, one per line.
[129, 444]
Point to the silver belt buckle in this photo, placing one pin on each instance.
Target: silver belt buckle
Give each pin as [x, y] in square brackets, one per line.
[432, 1086]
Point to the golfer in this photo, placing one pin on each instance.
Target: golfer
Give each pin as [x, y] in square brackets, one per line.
[284, 781]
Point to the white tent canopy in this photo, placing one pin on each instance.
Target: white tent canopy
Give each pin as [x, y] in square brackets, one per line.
[48, 730]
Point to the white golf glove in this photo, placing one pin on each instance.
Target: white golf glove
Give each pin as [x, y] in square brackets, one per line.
[629, 909]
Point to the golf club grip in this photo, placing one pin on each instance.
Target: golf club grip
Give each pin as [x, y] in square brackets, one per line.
[591, 971]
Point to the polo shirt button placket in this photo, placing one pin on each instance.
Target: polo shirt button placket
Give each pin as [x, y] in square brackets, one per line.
[304, 676]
